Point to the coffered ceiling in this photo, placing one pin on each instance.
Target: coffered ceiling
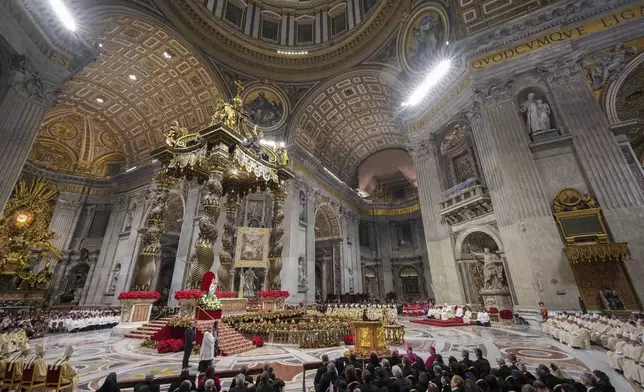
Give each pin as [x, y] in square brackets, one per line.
[133, 90]
[349, 118]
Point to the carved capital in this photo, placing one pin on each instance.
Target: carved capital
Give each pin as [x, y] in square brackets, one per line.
[561, 72]
[606, 67]
[421, 151]
[69, 207]
[120, 203]
[473, 112]
[495, 90]
[30, 84]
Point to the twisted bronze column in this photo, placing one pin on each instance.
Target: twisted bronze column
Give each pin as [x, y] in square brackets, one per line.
[208, 233]
[151, 243]
[275, 241]
[227, 252]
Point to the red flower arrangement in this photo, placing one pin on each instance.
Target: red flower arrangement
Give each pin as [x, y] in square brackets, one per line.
[139, 295]
[225, 294]
[258, 341]
[349, 339]
[187, 294]
[274, 293]
[170, 346]
[494, 310]
[505, 314]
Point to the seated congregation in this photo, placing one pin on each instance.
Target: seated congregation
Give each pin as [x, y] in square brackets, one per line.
[21, 372]
[623, 339]
[410, 373]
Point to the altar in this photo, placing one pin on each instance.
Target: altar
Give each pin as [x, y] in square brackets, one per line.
[369, 337]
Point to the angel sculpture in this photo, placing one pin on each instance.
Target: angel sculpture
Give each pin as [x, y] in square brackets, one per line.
[605, 67]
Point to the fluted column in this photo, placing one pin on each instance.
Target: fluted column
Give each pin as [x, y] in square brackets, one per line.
[64, 219]
[445, 282]
[22, 108]
[539, 270]
[310, 245]
[384, 251]
[608, 173]
[186, 238]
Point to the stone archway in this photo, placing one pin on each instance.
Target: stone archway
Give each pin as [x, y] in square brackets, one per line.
[468, 246]
[328, 249]
[410, 282]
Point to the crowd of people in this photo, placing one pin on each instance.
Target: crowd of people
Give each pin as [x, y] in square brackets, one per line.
[624, 340]
[35, 323]
[411, 373]
[12, 367]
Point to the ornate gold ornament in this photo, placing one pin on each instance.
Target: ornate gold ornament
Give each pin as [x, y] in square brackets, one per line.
[598, 253]
[24, 231]
[231, 157]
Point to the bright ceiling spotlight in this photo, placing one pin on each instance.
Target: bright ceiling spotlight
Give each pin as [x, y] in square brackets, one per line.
[432, 78]
[100, 45]
[167, 54]
[132, 76]
[63, 14]
[100, 100]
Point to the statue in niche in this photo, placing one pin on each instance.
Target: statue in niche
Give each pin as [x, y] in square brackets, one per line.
[301, 273]
[426, 41]
[249, 283]
[537, 114]
[130, 215]
[303, 215]
[493, 276]
[115, 277]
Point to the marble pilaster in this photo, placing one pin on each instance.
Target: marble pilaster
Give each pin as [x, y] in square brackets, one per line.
[102, 277]
[610, 178]
[538, 268]
[445, 283]
[291, 246]
[22, 107]
[186, 239]
[65, 218]
[310, 247]
[384, 251]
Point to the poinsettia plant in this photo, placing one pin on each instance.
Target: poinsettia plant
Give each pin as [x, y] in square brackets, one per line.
[505, 314]
[494, 310]
[209, 303]
[179, 322]
[187, 294]
[139, 295]
[258, 341]
[225, 294]
[274, 293]
[170, 346]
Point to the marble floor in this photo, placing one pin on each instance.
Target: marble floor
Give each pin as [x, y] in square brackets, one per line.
[97, 354]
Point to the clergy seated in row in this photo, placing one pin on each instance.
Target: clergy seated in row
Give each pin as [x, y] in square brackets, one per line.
[569, 330]
[482, 318]
[68, 373]
[628, 357]
[17, 364]
[39, 365]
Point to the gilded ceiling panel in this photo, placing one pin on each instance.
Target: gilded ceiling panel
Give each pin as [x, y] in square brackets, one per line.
[143, 80]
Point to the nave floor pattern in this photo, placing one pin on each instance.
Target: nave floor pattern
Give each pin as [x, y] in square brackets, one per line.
[97, 354]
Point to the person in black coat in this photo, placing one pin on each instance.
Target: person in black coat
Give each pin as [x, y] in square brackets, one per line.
[331, 376]
[321, 370]
[185, 375]
[401, 384]
[466, 359]
[603, 382]
[367, 385]
[481, 364]
[503, 371]
[548, 378]
[147, 385]
[190, 338]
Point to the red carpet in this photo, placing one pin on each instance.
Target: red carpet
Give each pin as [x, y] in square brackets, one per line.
[441, 323]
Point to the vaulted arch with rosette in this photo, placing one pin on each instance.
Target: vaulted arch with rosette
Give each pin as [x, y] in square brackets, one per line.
[349, 118]
[114, 111]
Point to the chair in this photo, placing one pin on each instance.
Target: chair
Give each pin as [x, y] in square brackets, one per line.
[28, 383]
[54, 380]
[8, 381]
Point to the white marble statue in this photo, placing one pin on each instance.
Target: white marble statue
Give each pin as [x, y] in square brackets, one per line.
[249, 282]
[529, 107]
[493, 278]
[543, 112]
[301, 273]
[115, 277]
